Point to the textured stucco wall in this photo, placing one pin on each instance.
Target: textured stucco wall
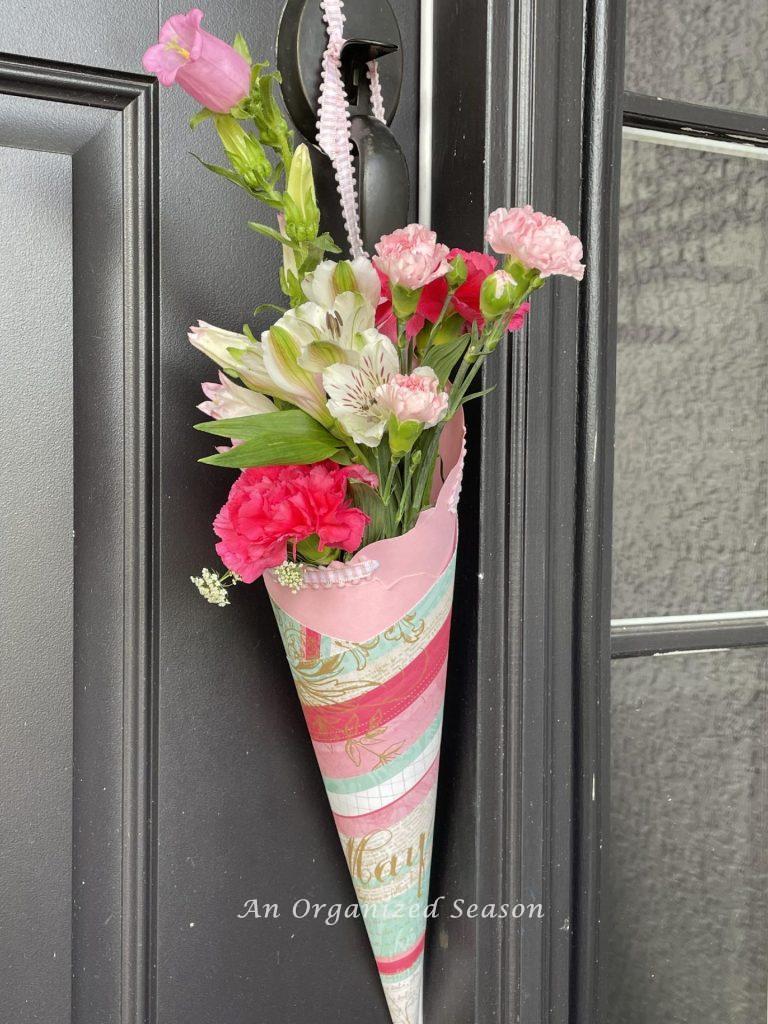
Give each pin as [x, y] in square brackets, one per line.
[691, 460]
[687, 890]
[701, 51]
[686, 898]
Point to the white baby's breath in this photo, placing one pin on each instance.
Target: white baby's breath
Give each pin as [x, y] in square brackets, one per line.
[212, 587]
[291, 575]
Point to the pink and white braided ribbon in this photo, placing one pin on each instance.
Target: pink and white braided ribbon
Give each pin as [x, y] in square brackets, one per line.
[333, 127]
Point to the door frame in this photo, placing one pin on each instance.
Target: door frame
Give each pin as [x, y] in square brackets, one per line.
[127, 876]
[540, 124]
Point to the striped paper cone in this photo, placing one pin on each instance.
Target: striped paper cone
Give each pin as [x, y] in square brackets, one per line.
[367, 645]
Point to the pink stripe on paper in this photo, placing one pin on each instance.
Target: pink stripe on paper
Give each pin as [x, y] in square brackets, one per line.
[334, 758]
[392, 813]
[396, 965]
[350, 718]
[311, 644]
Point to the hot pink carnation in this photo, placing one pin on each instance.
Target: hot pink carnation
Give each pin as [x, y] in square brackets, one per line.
[271, 507]
[412, 257]
[416, 396]
[431, 302]
[518, 318]
[466, 298]
[206, 67]
[536, 240]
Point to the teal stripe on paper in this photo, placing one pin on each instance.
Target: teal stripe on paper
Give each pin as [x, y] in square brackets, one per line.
[387, 771]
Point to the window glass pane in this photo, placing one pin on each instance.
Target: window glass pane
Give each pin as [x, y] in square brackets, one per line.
[686, 897]
[691, 458]
[700, 52]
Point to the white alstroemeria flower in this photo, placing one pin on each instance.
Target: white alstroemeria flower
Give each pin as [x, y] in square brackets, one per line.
[330, 279]
[340, 337]
[352, 389]
[236, 353]
[227, 400]
[223, 347]
[282, 347]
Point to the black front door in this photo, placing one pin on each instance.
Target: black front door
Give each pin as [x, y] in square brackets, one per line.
[155, 773]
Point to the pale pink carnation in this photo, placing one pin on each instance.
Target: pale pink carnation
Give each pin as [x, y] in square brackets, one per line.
[536, 240]
[416, 396]
[412, 257]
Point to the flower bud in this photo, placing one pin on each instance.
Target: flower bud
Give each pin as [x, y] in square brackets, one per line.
[302, 214]
[457, 275]
[245, 152]
[267, 116]
[497, 294]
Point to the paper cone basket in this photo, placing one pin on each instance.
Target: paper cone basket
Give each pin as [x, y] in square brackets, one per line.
[368, 646]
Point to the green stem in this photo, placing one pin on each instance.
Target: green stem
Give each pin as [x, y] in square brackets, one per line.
[402, 345]
[388, 484]
[286, 155]
[405, 496]
[420, 494]
[435, 325]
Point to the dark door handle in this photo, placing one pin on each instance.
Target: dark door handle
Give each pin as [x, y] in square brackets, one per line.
[382, 179]
[372, 33]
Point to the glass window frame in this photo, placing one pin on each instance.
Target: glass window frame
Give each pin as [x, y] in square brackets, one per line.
[668, 634]
[638, 637]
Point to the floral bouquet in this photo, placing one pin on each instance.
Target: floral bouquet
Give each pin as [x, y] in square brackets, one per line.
[344, 420]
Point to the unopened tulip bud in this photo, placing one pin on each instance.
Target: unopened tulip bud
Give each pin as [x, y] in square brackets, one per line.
[497, 294]
[302, 214]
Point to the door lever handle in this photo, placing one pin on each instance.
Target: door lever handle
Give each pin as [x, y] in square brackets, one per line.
[372, 33]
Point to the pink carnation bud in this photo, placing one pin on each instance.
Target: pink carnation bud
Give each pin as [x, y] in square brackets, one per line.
[207, 68]
[536, 241]
[497, 294]
[412, 257]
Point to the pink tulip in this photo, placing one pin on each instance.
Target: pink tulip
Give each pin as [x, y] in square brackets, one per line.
[207, 68]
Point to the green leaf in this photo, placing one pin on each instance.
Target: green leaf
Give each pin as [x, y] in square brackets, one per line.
[477, 394]
[271, 233]
[310, 549]
[269, 198]
[326, 242]
[263, 307]
[246, 428]
[272, 439]
[200, 116]
[443, 358]
[369, 501]
[242, 47]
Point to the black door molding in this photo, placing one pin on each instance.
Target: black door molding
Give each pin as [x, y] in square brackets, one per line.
[110, 131]
[528, 109]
